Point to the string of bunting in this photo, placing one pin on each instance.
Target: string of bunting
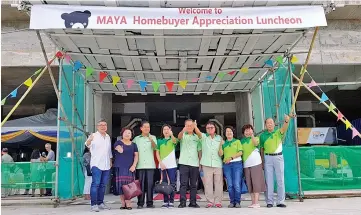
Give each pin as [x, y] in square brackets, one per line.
[331, 107]
[28, 82]
[77, 65]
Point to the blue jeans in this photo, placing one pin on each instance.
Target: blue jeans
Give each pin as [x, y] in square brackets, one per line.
[234, 173]
[97, 189]
[172, 174]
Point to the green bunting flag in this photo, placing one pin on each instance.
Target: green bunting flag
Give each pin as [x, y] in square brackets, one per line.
[89, 71]
[155, 85]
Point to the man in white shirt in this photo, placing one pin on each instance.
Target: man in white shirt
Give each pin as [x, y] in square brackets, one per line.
[49, 171]
[100, 147]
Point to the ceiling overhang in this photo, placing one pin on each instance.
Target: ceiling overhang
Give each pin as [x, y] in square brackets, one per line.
[161, 55]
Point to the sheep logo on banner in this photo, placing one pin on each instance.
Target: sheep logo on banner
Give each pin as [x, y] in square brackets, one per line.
[76, 19]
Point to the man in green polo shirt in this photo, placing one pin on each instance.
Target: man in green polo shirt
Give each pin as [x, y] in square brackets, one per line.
[271, 146]
[190, 148]
[146, 144]
[211, 163]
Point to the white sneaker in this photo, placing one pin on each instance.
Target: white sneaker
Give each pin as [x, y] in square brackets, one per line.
[94, 208]
[254, 206]
[102, 206]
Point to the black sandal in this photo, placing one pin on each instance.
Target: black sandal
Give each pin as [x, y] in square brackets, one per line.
[123, 208]
[129, 208]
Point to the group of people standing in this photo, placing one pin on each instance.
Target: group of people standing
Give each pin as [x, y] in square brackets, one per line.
[200, 155]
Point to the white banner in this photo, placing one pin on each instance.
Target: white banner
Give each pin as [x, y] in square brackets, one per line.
[94, 17]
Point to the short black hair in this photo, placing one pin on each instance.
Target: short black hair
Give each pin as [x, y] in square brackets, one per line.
[35, 154]
[247, 126]
[232, 129]
[188, 120]
[86, 149]
[144, 122]
[161, 131]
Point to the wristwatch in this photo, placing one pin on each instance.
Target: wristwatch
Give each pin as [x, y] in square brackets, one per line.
[231, 158]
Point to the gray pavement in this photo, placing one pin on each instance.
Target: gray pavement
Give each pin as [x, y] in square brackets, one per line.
[337, 206]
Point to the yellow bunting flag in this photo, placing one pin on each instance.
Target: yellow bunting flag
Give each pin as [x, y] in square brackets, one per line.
[183, 84]
[331, 107]
[348, 124]
[28, 82]
[116, 79]
[294, 59]
[244, 69]
[3, 101]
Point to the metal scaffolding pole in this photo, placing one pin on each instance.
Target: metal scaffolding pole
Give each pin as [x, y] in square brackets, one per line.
[296, 138]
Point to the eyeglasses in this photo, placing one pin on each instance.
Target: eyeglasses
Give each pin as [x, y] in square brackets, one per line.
[210, 128]
[102, 125]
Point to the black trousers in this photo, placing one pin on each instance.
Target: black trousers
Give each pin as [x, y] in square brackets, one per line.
[188, 174]
[146, 179]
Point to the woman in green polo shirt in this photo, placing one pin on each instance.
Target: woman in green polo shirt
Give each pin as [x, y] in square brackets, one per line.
[231, 150]
[252, 161]
[167, 162]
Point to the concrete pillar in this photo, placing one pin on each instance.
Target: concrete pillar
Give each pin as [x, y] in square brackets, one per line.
[243, 110]
[103, 109]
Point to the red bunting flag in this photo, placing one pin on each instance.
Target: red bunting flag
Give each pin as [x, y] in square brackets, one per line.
[169, 85]
[339, 115]
[232, 72]
[59, 54]
[102, 75]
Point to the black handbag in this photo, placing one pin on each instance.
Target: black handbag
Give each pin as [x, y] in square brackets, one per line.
[163, 187]
[88, 170]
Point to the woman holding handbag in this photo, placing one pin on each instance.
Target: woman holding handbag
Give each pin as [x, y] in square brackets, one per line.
[87, 173]
[126, 159]
[167, 162]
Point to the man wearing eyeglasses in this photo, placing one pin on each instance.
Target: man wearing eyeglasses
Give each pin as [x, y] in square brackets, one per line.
[211, 164]
[99, 144]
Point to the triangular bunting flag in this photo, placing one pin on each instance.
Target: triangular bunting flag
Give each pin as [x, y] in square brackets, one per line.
[142, 85]
[244, 69]
[77, 65]
[155, 85]
[169, 85]
[89, 71]
[294, 59]
[331, 107]
[115, 79]
[339, 115]
[28, 82]
[221, 75]
[59, 54]
[279, 59]
[269, 62]
[14, 93]
[3, 101]
[348, 124]
[195, 79]
[102, 75]
[323, 98]
[303, 70]
[67, 58]
[232, 72]
[209, 78]
[130, 83]
[312, 84]
[38, 71]
[183, 84]
[355, 132]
